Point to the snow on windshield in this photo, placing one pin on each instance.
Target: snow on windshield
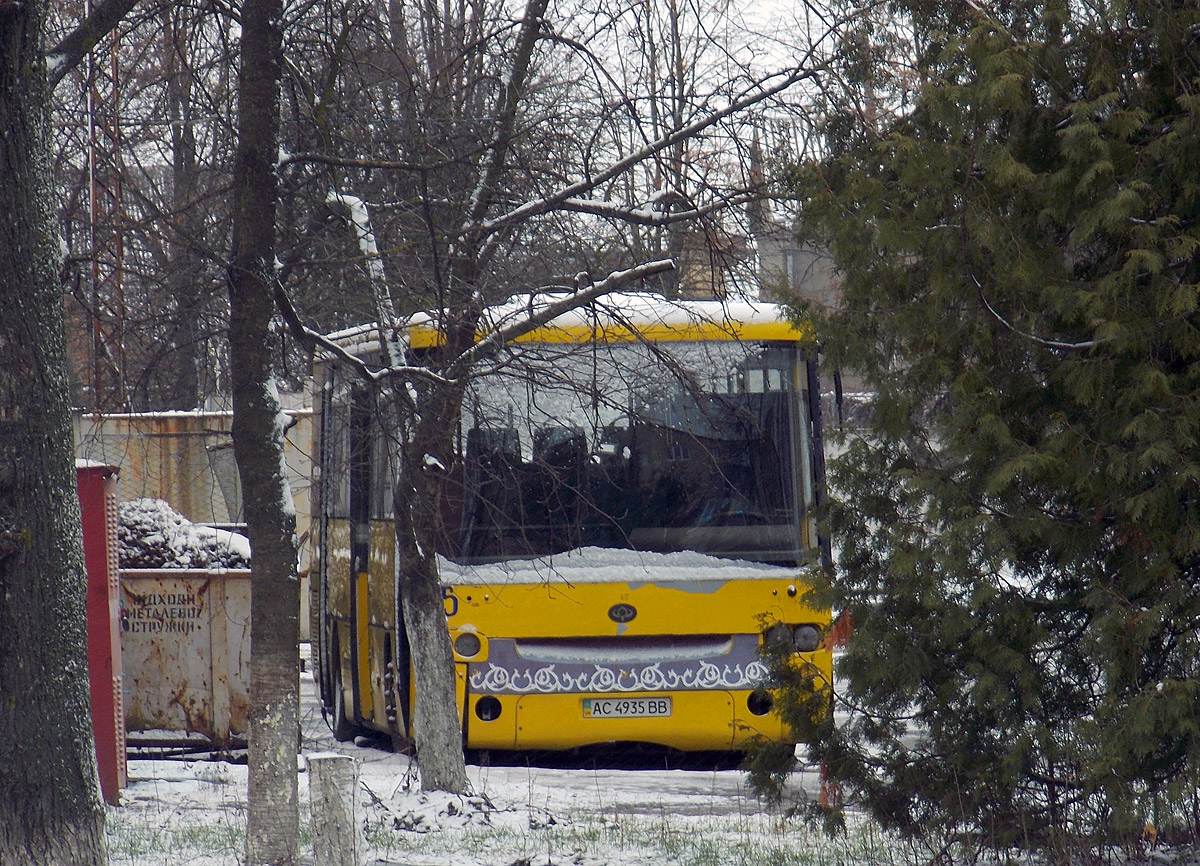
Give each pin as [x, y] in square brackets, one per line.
[602, 565]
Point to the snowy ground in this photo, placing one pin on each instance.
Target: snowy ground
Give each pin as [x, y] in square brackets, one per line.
[177, 812]
[193, 812]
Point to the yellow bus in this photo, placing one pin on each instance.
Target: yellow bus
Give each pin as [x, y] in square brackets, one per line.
[635, 515]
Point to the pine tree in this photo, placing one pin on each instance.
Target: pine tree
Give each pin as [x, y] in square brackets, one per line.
[1019, 528]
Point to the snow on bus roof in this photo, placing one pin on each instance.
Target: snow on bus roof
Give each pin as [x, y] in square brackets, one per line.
[652, 316]
[609, 565]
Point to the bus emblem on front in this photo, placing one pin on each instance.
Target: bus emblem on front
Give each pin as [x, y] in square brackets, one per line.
[622, 612]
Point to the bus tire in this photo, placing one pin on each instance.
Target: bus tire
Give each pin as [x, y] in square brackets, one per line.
[343, 730]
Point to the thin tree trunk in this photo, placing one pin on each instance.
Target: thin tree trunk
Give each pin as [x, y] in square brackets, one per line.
[437, 729]
[272, 833]
[186, 286]
[436, 725]
[50, 810]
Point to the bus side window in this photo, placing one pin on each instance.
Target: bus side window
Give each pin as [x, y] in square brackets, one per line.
[560, 447]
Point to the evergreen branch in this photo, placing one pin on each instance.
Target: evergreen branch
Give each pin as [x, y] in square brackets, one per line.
[1041, 341]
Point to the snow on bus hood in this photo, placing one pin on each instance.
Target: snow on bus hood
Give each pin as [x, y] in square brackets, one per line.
[602, 565]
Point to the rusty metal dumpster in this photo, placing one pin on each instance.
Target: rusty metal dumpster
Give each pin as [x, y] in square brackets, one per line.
[185, 638]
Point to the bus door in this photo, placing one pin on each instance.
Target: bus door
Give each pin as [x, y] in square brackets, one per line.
[361, 411]
[319, 625]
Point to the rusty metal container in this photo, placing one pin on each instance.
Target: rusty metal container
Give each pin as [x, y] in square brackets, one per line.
[185, 642]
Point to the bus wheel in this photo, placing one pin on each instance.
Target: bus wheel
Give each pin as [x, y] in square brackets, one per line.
[343, 731]
[401, 743]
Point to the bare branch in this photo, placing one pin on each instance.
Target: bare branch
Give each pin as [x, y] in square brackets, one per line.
[351, 162]
[76, 45]
[749, 97]
[316, 341]
[646, 217]
[506, 111]
[504, 335]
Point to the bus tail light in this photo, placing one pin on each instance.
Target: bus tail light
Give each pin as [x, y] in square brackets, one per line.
[801, 638]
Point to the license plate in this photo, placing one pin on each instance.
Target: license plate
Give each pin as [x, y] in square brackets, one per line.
[626, 708]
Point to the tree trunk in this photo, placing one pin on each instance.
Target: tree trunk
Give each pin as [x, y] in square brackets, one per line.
[418, 507]
[272, 833]
[50, 810]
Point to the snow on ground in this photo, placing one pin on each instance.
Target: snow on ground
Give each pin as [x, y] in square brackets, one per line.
[193, 812]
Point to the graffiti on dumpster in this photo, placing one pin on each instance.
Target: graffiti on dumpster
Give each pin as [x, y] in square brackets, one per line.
[161, 613]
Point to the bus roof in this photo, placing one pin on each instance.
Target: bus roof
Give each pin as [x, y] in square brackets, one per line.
[619, 317]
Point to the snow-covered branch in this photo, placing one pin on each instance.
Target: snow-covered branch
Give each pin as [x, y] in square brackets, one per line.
[495, 340]
[647, 214]
[356, 162]
[356, 211]
[385, 310]
[72, 48]
[1041, 341]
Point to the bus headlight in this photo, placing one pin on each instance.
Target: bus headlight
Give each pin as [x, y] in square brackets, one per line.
[467, 644]
[778, 636]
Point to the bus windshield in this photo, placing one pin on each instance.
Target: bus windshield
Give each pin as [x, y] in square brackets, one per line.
[650, 446]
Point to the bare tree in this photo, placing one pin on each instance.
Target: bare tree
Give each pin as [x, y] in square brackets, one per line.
[145, 137]
[50, 810]
[272, 833]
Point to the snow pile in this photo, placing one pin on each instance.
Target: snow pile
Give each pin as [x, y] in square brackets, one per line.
[150, 534]
[435, 811]
[411, 810]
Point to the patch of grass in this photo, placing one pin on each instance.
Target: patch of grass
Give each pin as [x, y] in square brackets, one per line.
[139, 842]
[641, 839]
